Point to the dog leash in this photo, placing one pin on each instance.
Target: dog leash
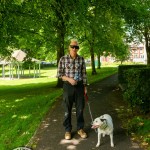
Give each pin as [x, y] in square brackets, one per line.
[86, 98]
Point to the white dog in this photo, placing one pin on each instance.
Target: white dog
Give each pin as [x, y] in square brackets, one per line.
[104, 125]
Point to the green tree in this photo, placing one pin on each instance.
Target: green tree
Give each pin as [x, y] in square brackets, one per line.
[43, 27]
[137, 17]
[103, 30]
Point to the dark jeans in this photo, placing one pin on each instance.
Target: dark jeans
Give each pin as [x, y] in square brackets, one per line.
[73, 94]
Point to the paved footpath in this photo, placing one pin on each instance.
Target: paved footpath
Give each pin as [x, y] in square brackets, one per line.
[102, 98]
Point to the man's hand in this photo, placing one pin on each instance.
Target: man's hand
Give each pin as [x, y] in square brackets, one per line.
[72, 81]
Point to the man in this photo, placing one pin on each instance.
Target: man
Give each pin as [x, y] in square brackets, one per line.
[72, 70]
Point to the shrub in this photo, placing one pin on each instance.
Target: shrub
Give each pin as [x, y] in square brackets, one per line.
[122, 72]
[140, 127]
[137, 91]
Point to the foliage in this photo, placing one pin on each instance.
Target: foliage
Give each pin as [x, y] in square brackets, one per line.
[102, 31]
[122, 71]
[42, 28]
[137, 93]
[137, 16]
[139, 128]
[123, 53]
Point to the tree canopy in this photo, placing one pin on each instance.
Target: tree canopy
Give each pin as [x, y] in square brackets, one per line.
[42, 28]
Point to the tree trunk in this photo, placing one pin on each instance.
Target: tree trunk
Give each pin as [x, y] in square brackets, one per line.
[92, 61]
[148, 55]
[147, 45]
[99, 61]
[60, 53]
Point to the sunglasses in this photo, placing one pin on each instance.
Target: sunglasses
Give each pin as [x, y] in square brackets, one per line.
[74, 46]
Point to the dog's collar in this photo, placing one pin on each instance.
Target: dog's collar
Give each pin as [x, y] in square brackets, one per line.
[103, 126]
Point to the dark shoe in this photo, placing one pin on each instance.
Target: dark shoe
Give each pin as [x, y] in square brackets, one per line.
[82, 134]
[68, 135]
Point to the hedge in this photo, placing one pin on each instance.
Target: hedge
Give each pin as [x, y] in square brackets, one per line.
[137, 91]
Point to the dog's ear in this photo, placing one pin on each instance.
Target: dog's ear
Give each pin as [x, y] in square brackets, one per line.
[102, 117]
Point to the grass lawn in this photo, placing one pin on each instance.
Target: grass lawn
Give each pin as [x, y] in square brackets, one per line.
[25, 102]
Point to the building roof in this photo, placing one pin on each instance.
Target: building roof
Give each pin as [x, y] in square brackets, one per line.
[19, 55]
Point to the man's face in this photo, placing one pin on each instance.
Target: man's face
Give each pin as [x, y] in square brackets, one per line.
[73, 49]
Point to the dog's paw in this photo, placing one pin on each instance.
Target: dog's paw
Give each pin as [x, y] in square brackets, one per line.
[97, 145]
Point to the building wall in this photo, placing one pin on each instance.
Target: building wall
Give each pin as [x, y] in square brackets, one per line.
[138, 53]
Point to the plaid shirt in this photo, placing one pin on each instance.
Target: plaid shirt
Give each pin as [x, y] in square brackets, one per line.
[73, 68]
